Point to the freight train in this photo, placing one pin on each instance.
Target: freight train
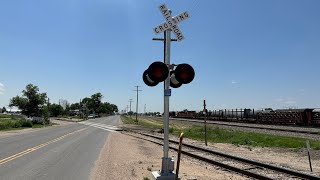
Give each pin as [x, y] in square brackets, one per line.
[302, 117]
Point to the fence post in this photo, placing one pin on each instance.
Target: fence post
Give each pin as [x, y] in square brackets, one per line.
[237, 114]
[308, 148]
[205, 121]
[179, 156]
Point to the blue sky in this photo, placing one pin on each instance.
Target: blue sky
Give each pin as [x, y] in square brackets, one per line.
[246, 54]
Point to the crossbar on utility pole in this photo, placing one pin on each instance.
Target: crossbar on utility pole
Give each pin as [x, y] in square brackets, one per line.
[161, 39]
[137, 90]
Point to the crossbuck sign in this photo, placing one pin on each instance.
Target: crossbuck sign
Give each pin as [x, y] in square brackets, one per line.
[171, 22]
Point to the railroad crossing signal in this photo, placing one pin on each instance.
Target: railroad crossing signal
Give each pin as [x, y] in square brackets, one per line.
[171, 22]
[159, 71]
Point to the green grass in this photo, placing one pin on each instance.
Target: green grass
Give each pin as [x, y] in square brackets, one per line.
[14, 124]
[10, 117]
[222, 135]
[11, 124]
[69, 117]
[142, 122]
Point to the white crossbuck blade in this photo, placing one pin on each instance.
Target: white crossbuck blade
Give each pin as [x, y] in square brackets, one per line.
[171, 22]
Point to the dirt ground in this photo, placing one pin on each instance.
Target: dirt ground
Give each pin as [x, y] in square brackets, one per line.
[125, 157]
[290, 158]
[296, 159]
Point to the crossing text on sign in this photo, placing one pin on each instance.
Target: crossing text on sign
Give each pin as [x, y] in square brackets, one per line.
[171, 22]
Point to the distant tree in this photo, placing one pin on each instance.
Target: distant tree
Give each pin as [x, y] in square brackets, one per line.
[31, 102]
[94, 104]
[4, 109]
[75, 106]
[105, 108]
[67, 110]
[130, 113]
[45, 115]
[56, 110]
[114, 108]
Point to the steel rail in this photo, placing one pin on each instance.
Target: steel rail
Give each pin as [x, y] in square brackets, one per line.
[250, 127]
[240, 159]
[210, 161]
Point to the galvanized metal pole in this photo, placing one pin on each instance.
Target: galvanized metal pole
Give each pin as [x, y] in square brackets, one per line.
[166, 160]
[137, 103]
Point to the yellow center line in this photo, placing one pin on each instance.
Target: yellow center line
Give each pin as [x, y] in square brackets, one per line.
[27, 151]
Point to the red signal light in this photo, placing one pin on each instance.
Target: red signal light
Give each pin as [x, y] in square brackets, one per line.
[157, 72]
[147, 80]
[184, 73]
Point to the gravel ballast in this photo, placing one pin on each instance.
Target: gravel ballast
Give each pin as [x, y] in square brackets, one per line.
[126, 157]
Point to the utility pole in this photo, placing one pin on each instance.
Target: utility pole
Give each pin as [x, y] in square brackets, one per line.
[145, 106]
[137, 90]
[205, 122]
[48, 111]
[81, 110]
[127, 109]
[130, 100]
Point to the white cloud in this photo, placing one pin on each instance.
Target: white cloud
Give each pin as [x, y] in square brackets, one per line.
[234, 82]
[279, 100]
[290, 102]
[1, 88]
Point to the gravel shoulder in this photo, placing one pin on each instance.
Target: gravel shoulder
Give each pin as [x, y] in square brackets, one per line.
[126, 157]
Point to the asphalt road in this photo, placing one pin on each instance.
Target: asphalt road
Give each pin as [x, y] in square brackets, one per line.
[61, 152]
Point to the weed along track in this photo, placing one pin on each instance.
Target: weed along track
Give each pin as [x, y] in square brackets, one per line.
[233, 163]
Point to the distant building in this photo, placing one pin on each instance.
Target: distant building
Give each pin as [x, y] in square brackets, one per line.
[13, 110]
[75, 112]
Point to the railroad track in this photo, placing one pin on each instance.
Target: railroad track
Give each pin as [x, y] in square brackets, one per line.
[265, 127]
[250, 168]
